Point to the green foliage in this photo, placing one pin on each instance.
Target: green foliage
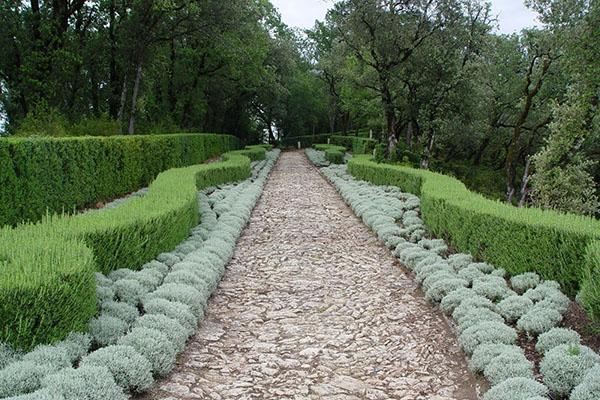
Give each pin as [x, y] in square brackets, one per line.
[325, 147]
[40, 175]
[334, 156]
[562, 180]
[518, 240]
[75, 246]
[358, 145]
[590, 287]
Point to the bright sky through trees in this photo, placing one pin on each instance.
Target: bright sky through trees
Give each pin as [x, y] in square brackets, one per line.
[512, 14]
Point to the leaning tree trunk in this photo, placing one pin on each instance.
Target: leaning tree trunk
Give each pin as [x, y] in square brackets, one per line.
[136, 89]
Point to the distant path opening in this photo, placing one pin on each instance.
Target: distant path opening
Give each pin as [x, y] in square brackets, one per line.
[313, 306]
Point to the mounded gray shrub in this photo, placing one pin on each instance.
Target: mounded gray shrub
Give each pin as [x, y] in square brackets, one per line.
[556, 337]
[486, 332]
[454, 298]
[517, 389]
[174, 310]
[182, 293]
[129, 291]
[22, 377]
[565, 366]
[538, 320]
[130, 370]
[523, 282]
[84, 383]
[485, 353]
[106, 330]
[155, 346]
[509, 364]
[514, 307]
[589, 388]
[120, 310]
[169, 327]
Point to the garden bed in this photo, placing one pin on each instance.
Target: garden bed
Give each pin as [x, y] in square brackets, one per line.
[144, 316]
[508, 327]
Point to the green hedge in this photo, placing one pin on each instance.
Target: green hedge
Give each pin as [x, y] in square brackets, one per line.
[358, 145]
[590, 287]
[305, 141]
[254, 153]
[55, 174]
[519, 240]
[325, 147]
[334, 156]
[47, 286]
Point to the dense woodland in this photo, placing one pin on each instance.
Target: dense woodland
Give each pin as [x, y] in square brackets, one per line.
[516, 115]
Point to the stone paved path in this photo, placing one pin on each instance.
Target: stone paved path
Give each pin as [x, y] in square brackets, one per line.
[313, 306]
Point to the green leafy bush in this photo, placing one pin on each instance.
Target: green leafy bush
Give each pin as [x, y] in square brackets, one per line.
[518, 240]
[60, 174]
[47, 282]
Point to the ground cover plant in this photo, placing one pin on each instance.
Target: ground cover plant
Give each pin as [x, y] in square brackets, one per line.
[493, 312]
[556, 246]
[136, 336]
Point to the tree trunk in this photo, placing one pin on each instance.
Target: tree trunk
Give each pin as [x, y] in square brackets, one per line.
[113, 101]
[524, 188]
[134, 96]
[428, 150]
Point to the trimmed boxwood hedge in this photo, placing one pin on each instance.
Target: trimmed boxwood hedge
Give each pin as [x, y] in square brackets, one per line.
[55, 174]
[358, 145]
[47, 286]
[519, 240]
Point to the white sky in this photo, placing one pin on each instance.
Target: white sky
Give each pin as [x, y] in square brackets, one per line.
[512, 14]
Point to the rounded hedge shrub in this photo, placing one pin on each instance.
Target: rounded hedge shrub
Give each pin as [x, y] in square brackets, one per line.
[517, 389]
[130, 370]
[154, 345]
[589, 388]
[556, 337]
[454, 298]
[53, 357]
[471, 303]
[168, 326]
[84, 383]
[538, 320]
[76, 345]
[486, 332]
[106, 330]
[478, 315]
[438, 290]
[174, 310]
[22, 377]
[129, 291]
[565, 366]
[523, 282]
[514, 307]
[485, 353]
[182, 293]
[508, 364]
[120, 310]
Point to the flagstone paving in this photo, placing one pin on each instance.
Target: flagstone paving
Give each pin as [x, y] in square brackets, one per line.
[313, 306]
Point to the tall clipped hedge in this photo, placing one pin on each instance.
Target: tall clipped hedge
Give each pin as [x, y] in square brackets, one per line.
[55, 174]
[47, 286]
[519, 240]
[358, 145]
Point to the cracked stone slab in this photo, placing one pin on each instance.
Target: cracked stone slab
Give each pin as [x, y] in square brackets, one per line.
[313, 306]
